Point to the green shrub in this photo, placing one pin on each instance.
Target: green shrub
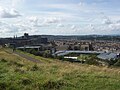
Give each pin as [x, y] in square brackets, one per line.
[3, 86]
[47, 54]
[117, 63]
[53, 85]
[3, 60]
[16, 64]
[26, 81]
[19, 70]
[60, 57]
[92, 62]
[34, 68]
[32, 51]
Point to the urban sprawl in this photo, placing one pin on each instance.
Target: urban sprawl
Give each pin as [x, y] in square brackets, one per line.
[66, 47]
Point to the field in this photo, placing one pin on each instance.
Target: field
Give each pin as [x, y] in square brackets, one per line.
[17, 73]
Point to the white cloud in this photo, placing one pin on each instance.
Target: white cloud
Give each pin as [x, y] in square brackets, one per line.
[73, 27]
[109, 25]
[8, 13]
[52, 20]
[115, 27]
[106, 21]
[81, 3]
[71, 19]
[16, 3]
[60, 25]
[33, 19]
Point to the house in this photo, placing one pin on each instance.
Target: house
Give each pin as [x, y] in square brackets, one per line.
[62, 47]
[86, 47]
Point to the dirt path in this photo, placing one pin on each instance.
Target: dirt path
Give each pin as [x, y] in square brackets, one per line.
[28, 57]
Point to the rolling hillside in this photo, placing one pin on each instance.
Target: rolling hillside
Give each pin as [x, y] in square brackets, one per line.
[18, 73]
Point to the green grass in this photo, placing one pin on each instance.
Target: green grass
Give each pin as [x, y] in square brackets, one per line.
[16, 73]
[46, 60]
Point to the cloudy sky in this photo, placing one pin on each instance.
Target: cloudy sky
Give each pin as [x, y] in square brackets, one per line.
[59, 17]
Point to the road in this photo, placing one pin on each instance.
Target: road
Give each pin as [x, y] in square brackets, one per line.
[28, 57]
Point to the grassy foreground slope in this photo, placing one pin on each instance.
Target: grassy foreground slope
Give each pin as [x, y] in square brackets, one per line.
[16, 73]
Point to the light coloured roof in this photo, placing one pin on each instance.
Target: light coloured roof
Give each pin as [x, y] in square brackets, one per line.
[65, 52]
[29, 47]
[71, 57]
[107, 56]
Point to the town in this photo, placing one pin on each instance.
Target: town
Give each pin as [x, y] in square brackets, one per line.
[67, 47]
[59, 44]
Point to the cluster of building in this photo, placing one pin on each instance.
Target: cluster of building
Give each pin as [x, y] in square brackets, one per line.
[73, 45]
[25, 40]
[40, 43]
[105, 50]
[87, 45]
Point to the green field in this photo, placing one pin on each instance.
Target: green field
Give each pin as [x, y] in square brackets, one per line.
[17, 73]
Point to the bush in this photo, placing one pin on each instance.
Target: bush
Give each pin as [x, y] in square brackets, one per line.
[92, 62]
[47, 54]
[26, 81]
[50, 85]
[34, 68]
[15, 63]
[3, 60]
[111, 62]
[117, 63]
[32, 51]
[60, 57]
[19, 70]
[3, 86]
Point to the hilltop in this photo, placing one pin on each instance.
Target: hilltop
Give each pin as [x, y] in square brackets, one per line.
[17, 73]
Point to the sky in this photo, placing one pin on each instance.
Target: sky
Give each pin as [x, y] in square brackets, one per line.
[59, 17]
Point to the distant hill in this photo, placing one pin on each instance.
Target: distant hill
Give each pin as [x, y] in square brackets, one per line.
[83, 37]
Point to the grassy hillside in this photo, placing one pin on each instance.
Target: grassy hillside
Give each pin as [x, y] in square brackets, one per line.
[17, 73]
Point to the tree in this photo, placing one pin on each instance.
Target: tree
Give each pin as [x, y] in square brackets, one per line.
[70, 47]
[47, 54]
[76, 48]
